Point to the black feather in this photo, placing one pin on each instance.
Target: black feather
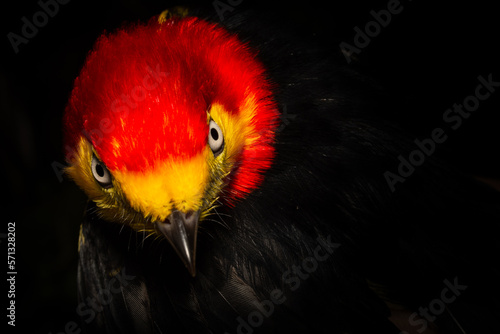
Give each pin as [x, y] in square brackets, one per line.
[388, 249]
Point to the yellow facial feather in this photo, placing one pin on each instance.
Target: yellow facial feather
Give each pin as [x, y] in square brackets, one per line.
[238, 128]
[168, 185]
[141, 198]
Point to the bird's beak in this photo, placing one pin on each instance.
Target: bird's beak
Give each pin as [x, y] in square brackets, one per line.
[180, 229]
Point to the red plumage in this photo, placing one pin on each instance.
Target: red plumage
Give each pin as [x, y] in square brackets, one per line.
[143, 94]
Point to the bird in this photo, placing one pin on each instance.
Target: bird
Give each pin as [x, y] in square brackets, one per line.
[236, 185]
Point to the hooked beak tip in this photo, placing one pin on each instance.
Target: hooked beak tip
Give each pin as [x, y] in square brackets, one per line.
[181, 229]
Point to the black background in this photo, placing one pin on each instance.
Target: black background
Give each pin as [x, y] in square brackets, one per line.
[430, 55]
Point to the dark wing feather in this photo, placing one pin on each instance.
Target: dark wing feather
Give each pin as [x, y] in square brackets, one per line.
[114, 297]
[327, 184]
[156, 296]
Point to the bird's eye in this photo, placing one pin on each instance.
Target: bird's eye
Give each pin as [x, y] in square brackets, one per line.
[215, 138]
[101, 173]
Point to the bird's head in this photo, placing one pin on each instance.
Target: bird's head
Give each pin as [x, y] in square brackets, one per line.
[167, 120]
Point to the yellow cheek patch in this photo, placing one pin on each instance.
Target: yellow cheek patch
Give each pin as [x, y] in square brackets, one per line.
[169, 184]
[238, 128]
[80, 171]
[189, 184]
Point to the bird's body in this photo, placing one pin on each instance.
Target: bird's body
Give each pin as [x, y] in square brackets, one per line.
[307, 237]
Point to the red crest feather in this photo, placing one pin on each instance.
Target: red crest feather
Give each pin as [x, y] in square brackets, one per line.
[144, 91]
